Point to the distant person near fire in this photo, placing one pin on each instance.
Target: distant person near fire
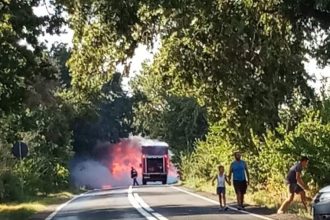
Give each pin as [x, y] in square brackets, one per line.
[241, 178]
[134, 175]
[296, 184]
[221, 178]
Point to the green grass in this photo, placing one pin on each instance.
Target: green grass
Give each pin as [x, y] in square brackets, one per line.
[31, 205]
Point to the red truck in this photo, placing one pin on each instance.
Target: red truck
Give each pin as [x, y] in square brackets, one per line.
[155, 163]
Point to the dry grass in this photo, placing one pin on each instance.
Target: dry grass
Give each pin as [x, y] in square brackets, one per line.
[22, 211]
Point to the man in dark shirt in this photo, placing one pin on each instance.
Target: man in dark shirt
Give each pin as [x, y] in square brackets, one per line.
[296, 184]
[134, 175]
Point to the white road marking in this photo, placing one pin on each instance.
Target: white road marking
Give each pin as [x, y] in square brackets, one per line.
[147, 207]
[217, 203]
[59, 208]
[137, 206]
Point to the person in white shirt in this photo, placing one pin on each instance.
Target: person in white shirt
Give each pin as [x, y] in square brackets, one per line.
[221, 178]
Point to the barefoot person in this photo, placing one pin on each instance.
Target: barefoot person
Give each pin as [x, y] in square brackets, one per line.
[241, 178]
[296, 184]
[221, 178]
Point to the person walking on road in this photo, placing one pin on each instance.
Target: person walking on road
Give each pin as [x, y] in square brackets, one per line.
[134, 175]
[241, 178]
[296, 184]
[221, 178]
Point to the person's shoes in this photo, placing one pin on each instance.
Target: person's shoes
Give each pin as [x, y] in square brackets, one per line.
[226, 208]
[280, 212]
[239, 208]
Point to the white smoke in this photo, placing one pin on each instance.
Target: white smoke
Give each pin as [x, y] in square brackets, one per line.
[103, 174]
[90, 174]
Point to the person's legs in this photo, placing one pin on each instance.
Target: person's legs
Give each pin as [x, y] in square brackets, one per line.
[303, 199]
[243, 191]
[239, 198]
[220, 199]
[219, 196]
[285, 205]
[242, 199]
[237, 191]
[224, 200]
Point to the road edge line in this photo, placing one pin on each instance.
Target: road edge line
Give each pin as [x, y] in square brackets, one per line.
[138, 207]
[60, 207]
[217, 203]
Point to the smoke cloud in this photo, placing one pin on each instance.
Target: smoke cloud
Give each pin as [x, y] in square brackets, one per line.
[111, 164]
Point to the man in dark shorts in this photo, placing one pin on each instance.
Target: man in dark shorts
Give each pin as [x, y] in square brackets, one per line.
[240, 178]
[296, 184]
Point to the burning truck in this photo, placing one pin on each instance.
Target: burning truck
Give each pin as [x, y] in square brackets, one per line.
[155, 162]
[110, 165]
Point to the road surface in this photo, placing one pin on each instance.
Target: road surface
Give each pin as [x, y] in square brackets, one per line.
[146, 202]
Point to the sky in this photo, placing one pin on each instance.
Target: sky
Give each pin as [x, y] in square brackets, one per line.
[143, 54]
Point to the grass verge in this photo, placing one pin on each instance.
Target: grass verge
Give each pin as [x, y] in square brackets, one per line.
[260, 197]
[31, 205]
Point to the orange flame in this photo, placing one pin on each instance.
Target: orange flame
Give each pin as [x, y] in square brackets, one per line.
[124, 155]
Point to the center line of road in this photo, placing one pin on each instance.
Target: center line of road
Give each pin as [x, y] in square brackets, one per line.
[147, 207]
[215, 202]
[142, 207]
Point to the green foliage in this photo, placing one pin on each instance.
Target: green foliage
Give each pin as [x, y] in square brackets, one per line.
[178, 120]
[236, 65]
[109, 118]
[30, 110]
[61, 54]
[203, 162]
[310, 20]
[275, 153]
[44, 170]
[10, 187]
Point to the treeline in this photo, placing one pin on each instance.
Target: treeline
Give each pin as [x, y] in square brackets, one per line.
[229, 75]
[43, 105]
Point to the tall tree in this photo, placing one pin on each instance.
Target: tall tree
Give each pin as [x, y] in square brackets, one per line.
[109, 118]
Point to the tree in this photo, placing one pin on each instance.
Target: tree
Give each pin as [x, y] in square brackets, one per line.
[180, 121]
[108, 119]
[60, 53]
[29, 107]
[311, 22]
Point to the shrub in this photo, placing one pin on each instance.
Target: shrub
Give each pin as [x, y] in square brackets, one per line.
[10, 187]
[269, 157]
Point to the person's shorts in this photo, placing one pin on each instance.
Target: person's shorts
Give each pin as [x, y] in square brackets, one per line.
[295, 188]
[221, 190]
[240, 186]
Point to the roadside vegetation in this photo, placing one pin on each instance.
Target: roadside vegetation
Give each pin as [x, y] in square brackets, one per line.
[228, 75]
[29, 206]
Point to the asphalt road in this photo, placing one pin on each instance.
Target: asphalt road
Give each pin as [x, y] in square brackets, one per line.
[146, 202]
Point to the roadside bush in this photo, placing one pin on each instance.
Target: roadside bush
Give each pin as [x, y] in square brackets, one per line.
[10, 187]
[203, 162]
[269, 157]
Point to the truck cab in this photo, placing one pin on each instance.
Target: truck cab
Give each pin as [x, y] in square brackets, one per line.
[155, 164]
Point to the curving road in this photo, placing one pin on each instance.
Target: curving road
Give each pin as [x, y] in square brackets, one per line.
[146, 202]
